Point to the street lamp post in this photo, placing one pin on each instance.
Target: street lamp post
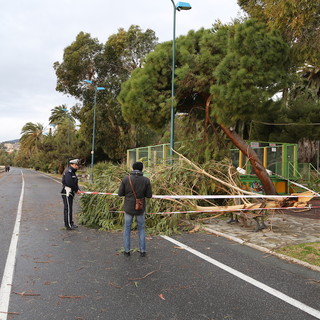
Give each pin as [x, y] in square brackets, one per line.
[176, 7]
[67, 113]
[94, 122]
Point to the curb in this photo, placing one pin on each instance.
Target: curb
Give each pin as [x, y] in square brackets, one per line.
[265, 250]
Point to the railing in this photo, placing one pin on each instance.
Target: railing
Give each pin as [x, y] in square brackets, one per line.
[308, 172]
[279, 158]
[151, 155]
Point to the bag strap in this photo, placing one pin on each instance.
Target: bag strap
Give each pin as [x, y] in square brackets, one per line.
[132, 188]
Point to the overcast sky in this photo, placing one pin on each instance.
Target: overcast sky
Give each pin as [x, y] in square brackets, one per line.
[34, 33]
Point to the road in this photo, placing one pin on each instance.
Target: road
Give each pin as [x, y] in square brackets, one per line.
[60, 274]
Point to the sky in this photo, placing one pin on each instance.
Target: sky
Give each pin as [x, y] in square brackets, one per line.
[34, 34]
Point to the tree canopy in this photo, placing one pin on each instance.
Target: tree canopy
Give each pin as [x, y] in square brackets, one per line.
[253, 70]
[146, 96]
[246, 66]
[236, 68]
[106, 65]
[297, 21]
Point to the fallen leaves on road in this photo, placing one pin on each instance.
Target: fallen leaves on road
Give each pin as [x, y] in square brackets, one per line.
[70, 297]
[162, 297]
[195, 229]
[147, 275]
[114, 285]
[24, 294]
[47, 283]
[177, 247]
[10, 312]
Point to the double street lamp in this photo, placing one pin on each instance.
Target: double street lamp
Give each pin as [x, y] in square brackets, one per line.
[96, 89]
[176, 7]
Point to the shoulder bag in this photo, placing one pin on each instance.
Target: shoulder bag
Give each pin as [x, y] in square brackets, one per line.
[139, 202]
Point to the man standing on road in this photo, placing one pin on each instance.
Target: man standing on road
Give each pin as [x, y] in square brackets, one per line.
[70, 187]
[135, 187]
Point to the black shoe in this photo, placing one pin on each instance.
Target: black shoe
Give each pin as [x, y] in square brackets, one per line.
[143, 254]
[74, 226]
[127, 254]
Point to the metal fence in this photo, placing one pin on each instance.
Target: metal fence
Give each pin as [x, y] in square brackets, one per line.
[150, 156]
[280, 158]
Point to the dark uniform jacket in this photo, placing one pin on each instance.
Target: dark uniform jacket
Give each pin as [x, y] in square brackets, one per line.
[142, 187]
[70, 179]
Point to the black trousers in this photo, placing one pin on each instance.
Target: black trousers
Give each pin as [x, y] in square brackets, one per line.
[67, 210]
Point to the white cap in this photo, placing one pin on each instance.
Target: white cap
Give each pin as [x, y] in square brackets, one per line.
[74, 161]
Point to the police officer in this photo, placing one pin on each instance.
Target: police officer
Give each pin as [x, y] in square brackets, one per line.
[70, 187]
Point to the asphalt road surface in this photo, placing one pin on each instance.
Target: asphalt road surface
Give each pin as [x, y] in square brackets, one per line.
[52, 273]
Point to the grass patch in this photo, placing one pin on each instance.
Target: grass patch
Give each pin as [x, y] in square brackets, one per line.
[308, 252]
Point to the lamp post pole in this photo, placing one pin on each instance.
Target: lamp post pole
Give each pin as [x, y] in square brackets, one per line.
[94, 123]
[179, 6]
[172, 110]
[93, 132]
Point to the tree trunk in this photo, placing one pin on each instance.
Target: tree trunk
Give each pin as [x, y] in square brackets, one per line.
[307, 150]
[257, 166]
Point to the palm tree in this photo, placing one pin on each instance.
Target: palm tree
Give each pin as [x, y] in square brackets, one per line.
[32, 136]
[59, 115]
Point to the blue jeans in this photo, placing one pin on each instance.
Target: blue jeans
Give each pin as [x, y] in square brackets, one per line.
[128, 218]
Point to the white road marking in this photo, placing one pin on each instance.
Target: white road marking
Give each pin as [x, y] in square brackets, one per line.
[6, 284]
[258, 284]
[55, 180]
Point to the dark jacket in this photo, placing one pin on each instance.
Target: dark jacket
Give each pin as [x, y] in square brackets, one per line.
[70, 180]
[142, 187]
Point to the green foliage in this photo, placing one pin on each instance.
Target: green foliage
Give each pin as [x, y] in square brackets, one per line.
[146, 96]
[253, 70]
[51, 152]
[79, 63]
[180, 178]
[32, 135]
[130, 47]
[290, 120]
[60, 116]
[6, 158]
[95, 209]
[300, 112]
[106, 66]
[204, 144]
[297, 20]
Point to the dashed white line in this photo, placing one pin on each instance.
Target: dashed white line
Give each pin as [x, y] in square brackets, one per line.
[258, 284]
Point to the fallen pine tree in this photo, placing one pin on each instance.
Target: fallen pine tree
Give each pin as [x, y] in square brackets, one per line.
[184, 177]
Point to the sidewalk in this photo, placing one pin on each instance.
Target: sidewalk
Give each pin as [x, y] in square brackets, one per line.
[283, 230]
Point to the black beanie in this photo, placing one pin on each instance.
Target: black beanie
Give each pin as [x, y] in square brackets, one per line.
[137, 166]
